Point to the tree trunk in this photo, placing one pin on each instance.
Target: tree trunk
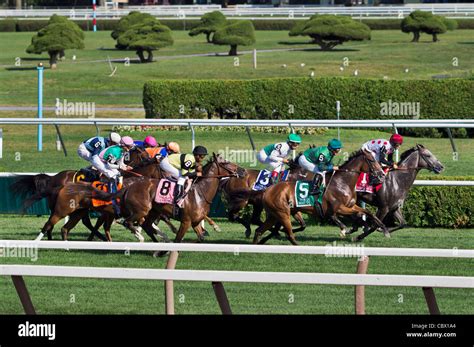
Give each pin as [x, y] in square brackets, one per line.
[150, 56]
[208, 37]
[233, 50]
[53, 59]
[18, 4]
[416, 36]
[141, 56]
[435, 38]
[62, 54]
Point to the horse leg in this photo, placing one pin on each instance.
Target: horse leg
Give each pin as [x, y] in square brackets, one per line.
[299, 217]
[256, 213]
[342, 226]
[233, 216]
[286, 223]
[74, 218]
[108, 221]
[147, 225]
[199, 231]
[174, 230]
[213, 224]
[398, 215]
[374, 219]
[95, 230]
[269, 222]
[49, 225]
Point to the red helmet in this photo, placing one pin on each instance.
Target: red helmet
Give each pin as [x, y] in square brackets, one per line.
[396, 139]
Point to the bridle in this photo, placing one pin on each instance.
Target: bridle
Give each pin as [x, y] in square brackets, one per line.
[231, 173]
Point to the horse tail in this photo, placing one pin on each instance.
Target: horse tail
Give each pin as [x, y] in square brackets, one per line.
[31, 188]
[87, 190]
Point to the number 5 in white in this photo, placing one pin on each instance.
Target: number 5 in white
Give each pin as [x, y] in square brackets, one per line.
[304, 188]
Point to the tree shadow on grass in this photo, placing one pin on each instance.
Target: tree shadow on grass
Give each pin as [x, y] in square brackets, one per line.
[334, 50]
[292, 43]
[34, 58]
[26, 68]
[466, 43]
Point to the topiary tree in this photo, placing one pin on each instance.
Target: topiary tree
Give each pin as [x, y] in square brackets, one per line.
[60, 34]
[328, 31]
[235, 34]
[208, 25]
[127, 22]
[147, 36]
[425, 22]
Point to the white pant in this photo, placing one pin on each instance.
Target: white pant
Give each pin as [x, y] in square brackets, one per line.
[272, 165]
[95, 161]
[307, 165]
[174, 172]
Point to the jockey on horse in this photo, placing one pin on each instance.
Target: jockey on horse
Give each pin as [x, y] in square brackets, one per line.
[90, 149]
[183, 166]
[276, 155]
[318, 160]
[382, 150]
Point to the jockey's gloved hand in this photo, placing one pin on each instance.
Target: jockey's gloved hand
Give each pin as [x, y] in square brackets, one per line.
[191, 174]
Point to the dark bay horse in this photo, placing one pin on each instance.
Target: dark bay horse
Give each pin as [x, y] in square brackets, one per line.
[233, 187]
[140, 207]
[391, 196]
[339, 197]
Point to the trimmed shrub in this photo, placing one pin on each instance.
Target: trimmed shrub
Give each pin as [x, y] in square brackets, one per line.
[328, 31]
[440, 207]
[127, 22]
[7, 25]
[425, 22]
[240, 33]
[209, 24]
[315, 98]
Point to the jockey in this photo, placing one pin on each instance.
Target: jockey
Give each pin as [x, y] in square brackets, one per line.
[181, 166]
[382, 150]
[148, 142]
[159, 153]
[275, 156]
[90, 149]
[318, 160]
[112, 159]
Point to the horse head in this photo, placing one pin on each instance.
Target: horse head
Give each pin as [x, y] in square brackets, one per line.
[428, 160]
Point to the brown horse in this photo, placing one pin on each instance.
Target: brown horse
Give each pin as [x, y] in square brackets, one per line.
[140, 207]
[339, 198]
[234, 186]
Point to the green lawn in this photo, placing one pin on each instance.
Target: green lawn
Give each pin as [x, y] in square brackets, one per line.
[389, 53]
[53, 295]
[20, 154]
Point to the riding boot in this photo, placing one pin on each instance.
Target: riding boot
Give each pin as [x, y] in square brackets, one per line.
[177, 197]
[113, 190]
[317, 180]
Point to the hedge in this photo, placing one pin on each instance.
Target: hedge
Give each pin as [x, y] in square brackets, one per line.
[187, 24]
[311, 98]
[440, 207]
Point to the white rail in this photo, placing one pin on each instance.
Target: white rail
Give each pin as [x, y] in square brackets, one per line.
[357, 251]
[246, 11]
[372, 123]
[239, 276]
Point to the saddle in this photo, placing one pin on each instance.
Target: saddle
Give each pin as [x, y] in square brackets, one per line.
[87, 174]
[364, 186]
[104, 187]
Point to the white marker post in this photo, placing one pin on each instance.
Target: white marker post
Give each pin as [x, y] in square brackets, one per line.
[254, 58]
[1, 143]
[338, 111]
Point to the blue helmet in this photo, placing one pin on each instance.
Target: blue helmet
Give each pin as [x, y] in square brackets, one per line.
[334, 144]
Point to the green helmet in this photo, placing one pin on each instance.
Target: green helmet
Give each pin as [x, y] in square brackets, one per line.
[294, 138]
[334, 144]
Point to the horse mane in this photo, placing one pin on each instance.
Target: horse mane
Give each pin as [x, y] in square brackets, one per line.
[353, 155]
[407, 153]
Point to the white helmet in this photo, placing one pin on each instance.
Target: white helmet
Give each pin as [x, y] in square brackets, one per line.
[115, 138]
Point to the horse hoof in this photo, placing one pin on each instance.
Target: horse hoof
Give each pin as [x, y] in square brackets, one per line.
[387, 234]
[217, 228]
[206, 233]
[159, 254]
[343, 233]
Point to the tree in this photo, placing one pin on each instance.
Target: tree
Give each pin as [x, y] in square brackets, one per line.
[147, 36]
[208, 24]
[58, 35]
[127, 22]
[425, 22]
[328, 31]
[234, 34]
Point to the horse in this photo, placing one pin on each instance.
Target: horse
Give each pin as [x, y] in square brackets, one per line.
[391, 196]
[140, 207]
[339, 198]
[233, 187]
